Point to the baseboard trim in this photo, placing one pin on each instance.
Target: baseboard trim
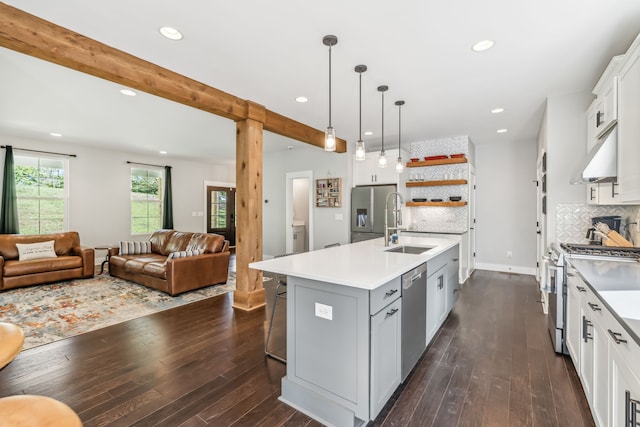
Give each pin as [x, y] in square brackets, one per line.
[506, 268]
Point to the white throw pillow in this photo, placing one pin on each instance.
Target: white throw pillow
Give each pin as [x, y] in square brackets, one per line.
[36, 250]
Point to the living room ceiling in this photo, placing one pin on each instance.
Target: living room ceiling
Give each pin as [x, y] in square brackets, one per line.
[272, 52]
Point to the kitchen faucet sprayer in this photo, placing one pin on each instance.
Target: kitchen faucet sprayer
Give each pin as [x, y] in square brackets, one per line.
[397, 211]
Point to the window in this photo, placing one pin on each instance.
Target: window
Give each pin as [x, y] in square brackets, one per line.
[146, 200]
[41, 194]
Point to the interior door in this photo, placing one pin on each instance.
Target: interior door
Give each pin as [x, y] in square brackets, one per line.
[221, 212]
[472, 219]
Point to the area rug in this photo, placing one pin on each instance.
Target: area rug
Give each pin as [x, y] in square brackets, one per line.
[49, 313]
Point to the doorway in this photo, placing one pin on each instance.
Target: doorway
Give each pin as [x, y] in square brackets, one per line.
[299, 212]
[221, 212]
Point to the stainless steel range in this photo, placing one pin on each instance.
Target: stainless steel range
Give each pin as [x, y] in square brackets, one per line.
[556, 280]
[556, 295]
[600, 252]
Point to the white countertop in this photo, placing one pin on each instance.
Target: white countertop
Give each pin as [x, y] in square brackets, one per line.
[618, 286]
[363, 265]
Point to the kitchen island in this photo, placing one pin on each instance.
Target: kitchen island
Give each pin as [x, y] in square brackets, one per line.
[345, 322]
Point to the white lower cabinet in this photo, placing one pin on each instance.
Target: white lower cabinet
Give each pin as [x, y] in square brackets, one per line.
[600, 386]
[604, 354]
[593, 355]
[625, 391]
[573, 325]
[586, 351]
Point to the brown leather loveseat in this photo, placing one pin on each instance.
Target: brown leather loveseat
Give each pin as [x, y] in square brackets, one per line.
[70, 261]
[175, 275]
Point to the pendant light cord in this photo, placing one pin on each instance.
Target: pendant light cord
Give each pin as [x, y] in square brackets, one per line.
[383, 121]
[360, 119]
[330, 86]
[399, 128]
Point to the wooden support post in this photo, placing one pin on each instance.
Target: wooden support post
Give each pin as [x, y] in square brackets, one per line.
[249, 293]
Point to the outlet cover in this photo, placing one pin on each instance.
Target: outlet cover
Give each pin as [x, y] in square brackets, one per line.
[324, 311]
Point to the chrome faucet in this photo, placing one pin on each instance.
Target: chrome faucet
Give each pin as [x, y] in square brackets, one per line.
[397, 215]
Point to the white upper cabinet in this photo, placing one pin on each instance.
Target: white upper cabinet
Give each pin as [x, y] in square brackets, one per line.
[629, 125]
[367, 172]
[603, 112]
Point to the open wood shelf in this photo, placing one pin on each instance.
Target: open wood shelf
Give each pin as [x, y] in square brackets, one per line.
[446, 204]
[328, 193]
[436, 183]
[437, 162]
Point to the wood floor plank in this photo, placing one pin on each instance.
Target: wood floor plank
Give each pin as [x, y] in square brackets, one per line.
[203, 364]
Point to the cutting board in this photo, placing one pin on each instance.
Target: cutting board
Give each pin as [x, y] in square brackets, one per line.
[615, 239]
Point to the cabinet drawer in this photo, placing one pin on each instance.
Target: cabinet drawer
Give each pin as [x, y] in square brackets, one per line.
[385, 294]
[440, 261]
[617, 335]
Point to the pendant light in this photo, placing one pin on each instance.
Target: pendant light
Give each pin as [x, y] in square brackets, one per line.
[330, 134]
[382, 160]
[360, 150]
[399, 165]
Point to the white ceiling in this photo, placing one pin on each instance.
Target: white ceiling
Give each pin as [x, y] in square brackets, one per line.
[272, 52]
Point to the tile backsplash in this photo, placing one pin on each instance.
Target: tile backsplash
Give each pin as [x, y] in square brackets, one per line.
[435, 218]
[573, 220]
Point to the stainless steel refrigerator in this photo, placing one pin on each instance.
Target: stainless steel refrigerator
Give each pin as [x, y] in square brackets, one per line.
[368, 210]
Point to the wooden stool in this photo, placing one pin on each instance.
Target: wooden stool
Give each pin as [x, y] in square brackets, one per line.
[28, 411]
[11, 340]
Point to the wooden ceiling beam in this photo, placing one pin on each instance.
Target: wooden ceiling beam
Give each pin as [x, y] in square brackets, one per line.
[28, 34]
[285, 126]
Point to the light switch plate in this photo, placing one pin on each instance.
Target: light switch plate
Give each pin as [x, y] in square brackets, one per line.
[324, 311]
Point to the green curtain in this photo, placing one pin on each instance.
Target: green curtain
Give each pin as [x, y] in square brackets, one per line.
[9, 214]
[167, 202]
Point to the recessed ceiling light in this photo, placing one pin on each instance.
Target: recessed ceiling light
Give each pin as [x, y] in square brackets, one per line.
[127, 92]
[301, 99]
[171, 33]
[501, 130]
[497, 110]
[483, 45]
[163, 152]
[368, 133]
[56, 134]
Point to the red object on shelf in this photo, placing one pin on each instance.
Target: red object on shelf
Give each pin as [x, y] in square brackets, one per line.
[414, 159]
[436, 157]
[457, 156]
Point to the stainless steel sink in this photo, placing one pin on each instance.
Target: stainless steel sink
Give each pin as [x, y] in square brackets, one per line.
[410, 249]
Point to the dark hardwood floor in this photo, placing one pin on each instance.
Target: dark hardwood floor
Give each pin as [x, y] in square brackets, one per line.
[203, 364]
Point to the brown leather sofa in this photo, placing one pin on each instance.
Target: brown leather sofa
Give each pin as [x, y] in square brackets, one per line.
[175, 275]
[73, 261]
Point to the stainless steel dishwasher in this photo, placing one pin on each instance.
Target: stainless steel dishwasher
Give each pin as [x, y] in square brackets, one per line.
[414, 317]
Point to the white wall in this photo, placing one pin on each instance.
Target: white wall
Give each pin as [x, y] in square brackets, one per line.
[506, 206]
[99, 181]
[566, 139]
[326, 228]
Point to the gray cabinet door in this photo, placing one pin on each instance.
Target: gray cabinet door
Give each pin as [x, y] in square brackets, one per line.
[436, 300]
[453, 291]
[386, 356]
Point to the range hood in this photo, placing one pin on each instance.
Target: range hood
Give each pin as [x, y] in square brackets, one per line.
[601, 164]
